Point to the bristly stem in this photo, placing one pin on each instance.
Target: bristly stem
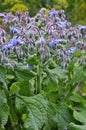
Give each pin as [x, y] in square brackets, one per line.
[38, 78]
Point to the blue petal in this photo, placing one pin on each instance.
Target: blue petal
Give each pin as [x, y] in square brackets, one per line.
[30, 66]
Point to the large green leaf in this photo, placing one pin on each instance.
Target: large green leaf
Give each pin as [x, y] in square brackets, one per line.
[2, 70]
[4, 109]
[84, 88]
[24, 88]
[81, 115]
[61, 73]
[64, 116]
[3, 73]
[73, 126]
[3, 81]
[32, 59]
[35, 109]
[78, 76]
[52, 120]
[51, 84]
[13, 115]
[24, 74]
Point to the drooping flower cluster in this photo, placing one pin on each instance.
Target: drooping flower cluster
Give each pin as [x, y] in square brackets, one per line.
[46, 34]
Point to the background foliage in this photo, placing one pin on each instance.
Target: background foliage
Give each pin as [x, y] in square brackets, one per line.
[75, 9]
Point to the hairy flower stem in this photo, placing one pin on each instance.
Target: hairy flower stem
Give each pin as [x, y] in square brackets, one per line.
[38, 83]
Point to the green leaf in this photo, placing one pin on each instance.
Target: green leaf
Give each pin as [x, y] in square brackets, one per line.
[78, 76]
[2, 70]
[13, 115]
[76, 97]
[23, 88]
[61, 73]
[10, 77]
[32, 59]
[64, 116]
[52, 120]
[3, 81]
[24, 74]
[78, 54]
[81, 115]
[4, 109]
[73, 126]
[35, 109]
[84, 88]
[3, 73]
[51, 84]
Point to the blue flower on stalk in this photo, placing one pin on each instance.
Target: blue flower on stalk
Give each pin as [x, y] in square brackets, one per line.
[53, 13]
[55, 41]
[14, 30]
[63, 24]
[3, 15]
[30, 67]
[10, 46]
[6, 47]
[14, 41]
[71, 51]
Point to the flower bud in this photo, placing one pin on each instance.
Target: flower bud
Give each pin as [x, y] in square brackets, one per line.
[47, 55]
[2, 34]
[30, 47]
[41, 50]
[65, 65]
[4, 59]
[68, 60]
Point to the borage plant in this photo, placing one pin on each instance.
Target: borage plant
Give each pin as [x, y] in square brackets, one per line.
[42, 72]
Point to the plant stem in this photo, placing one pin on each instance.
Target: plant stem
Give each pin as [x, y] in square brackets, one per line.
[38, 79]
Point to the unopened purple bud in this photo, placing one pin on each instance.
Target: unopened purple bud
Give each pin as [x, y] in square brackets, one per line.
[30, 47]
[65, 65]
[61, 53]
[2, 34]
[83, 45]
[41, 50]
[68, 60]
[3, 40]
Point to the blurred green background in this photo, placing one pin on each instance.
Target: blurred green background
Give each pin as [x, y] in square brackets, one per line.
[75, 9]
